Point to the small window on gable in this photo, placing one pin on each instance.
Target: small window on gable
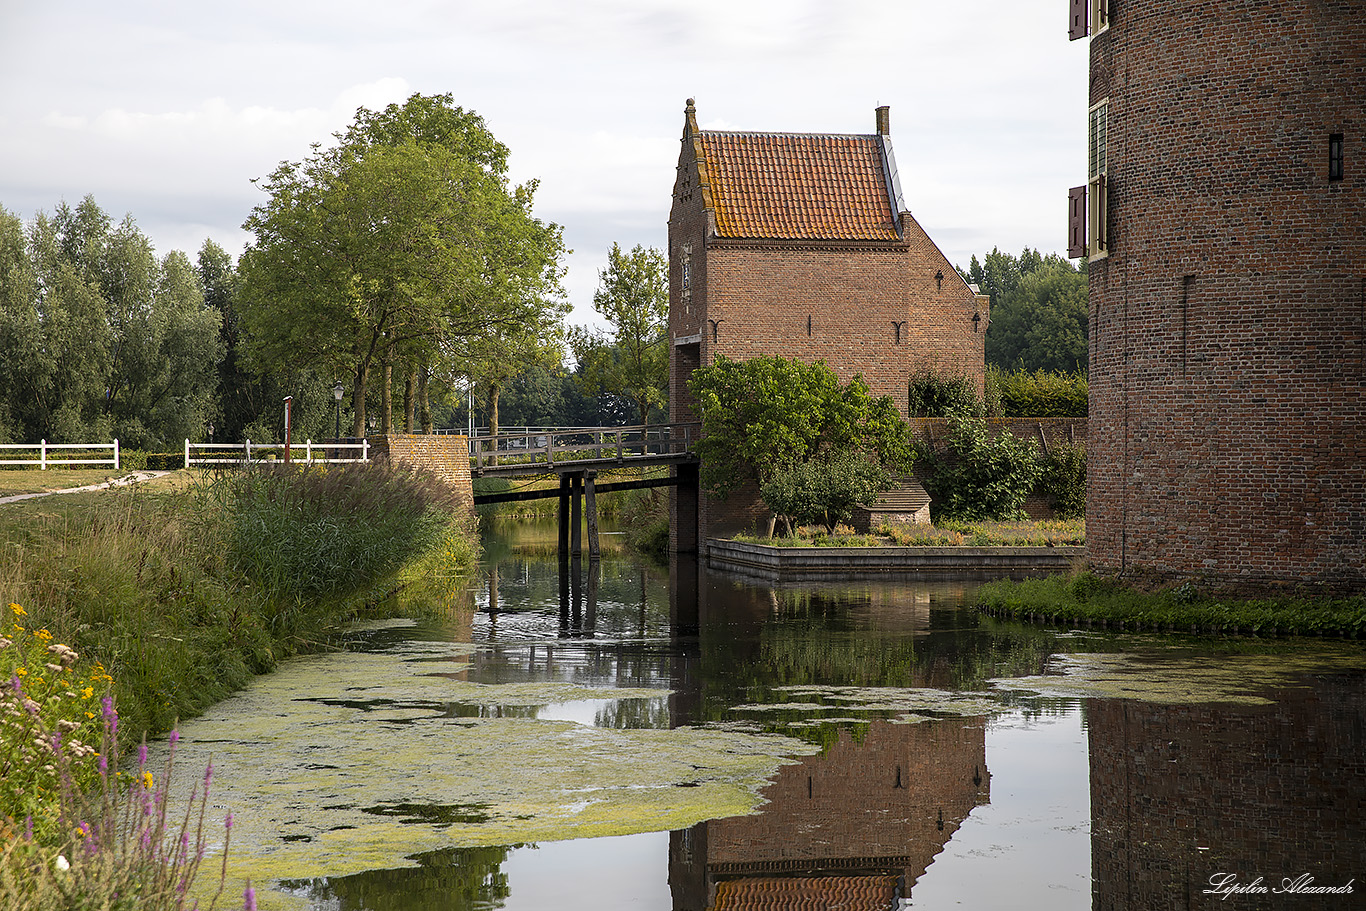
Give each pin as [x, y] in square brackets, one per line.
[1335, 156]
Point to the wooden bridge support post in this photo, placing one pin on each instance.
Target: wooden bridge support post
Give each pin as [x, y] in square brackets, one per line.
[590, 504]
[565, 491]
[576, 516]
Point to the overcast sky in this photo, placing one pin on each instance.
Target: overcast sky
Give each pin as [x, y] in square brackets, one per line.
[167, 110]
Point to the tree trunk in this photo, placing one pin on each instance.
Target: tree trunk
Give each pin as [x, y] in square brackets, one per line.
[424, 405]
[409, 387]
[358, 401]
[386, 402]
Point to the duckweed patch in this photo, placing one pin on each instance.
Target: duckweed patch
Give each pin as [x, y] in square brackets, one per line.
[1247, 679]
[318, 788]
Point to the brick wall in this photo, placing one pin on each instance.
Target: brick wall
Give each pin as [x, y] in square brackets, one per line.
[447, 455]
[1228, 322]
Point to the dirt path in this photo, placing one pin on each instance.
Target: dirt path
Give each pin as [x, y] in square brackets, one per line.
[133, 478]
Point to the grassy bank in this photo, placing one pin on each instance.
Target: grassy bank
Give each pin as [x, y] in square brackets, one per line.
[169, 596]
[1089, 600]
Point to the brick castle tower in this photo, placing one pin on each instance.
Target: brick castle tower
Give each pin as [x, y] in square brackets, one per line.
[1224, 220]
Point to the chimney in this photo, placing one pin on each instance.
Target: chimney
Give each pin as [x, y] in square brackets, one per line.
[884, 120]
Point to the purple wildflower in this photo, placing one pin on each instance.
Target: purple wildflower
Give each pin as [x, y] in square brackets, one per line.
[175, 736]
[111, 717]
[249, 899]
[104, 765]
[227, 821]
[208, 776]
[142, 754]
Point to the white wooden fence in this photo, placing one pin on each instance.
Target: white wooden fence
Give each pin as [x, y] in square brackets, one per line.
[248, 453]
[43, 448]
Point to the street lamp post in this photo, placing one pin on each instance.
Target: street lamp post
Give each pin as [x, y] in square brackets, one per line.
[338, 391]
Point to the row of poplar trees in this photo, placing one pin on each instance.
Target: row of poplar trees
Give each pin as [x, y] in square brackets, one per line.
[397, 258]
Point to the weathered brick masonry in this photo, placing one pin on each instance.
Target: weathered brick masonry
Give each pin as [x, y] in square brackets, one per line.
[1228, 314]
[447, 455]
[800, 245]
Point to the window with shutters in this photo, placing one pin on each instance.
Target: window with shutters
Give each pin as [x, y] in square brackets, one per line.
[1087, 17]
[1098, 166]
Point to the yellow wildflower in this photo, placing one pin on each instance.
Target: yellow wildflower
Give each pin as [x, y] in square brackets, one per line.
[43, 634]
[87, 692]
[147, 780]
[18, 611]
[21, 671]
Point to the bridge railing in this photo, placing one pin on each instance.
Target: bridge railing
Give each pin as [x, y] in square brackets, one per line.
[545, 447]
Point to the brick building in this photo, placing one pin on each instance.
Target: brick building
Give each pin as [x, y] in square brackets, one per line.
[801, 245]
[1224, 220]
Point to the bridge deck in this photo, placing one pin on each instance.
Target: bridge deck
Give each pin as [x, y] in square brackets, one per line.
[580, 449]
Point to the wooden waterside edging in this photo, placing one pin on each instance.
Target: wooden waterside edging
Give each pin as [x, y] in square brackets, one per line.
[825, 562]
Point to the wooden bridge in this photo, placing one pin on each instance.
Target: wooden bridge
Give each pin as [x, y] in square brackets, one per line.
[576, 455]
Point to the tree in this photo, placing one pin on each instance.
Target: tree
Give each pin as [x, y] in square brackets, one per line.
[632, 360]
[389, 248]
[825, 489]
[100, 337]
[771, 413]
[1038, 310]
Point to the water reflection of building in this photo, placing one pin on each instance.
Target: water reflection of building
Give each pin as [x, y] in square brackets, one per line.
[1180, 794]
[853, 828]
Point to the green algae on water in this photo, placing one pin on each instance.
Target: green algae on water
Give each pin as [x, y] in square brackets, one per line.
[1173, 679]
[356, 761]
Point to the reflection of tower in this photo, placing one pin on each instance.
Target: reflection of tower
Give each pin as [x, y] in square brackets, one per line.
[854, 827]
[1183, 793]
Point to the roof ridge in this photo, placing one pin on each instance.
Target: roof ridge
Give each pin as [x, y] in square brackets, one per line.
[782, 133]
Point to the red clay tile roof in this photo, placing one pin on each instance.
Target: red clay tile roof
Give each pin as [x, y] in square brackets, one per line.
[797, 186]
[807, 893]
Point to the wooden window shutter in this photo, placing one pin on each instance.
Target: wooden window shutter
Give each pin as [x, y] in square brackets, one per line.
[1102, 226]
[1080, 11]
[1076, 222]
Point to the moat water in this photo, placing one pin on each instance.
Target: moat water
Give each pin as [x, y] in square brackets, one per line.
[640, 737]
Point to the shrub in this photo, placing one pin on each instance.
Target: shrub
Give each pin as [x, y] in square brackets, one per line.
[978, 476]
[935, 395]
[1040, 394]
[1064, 480]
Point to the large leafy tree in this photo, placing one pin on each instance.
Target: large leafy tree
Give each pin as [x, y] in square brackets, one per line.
[631, 359]
[768, 414]
[1038, 310]
[394, 247]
